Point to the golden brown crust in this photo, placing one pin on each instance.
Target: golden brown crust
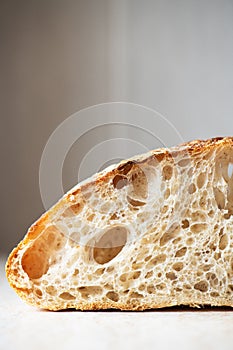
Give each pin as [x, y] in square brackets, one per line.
[191, 148]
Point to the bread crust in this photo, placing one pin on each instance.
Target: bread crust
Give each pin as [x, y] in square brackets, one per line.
[191, 148]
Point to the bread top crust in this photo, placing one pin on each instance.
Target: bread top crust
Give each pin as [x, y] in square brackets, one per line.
[191, 149]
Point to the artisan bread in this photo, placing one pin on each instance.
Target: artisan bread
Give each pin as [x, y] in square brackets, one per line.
[153, 231]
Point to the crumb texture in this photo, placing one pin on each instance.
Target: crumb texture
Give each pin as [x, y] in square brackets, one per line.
[155, 231]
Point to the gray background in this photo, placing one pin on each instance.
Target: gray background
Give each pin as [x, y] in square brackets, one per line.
[60, 56]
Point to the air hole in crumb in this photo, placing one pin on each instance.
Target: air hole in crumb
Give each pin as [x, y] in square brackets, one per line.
[171, 275]
[219, 198]
[202, 286]
[201, 180]
[141, 287]
[181, 252]
[76, 272]
[123, 277]
[203, 200]
[135, 295]
[110, 244]
[185, 223]
[38, 293]
[148, 257]
[112, 296]
[119, 181]
[149, 274]
[113, 217]
[164, 209]
[99, 272]
[167, 172]
[110, 268]
[139, 188]
[189, 241]
[223, 241]
[178, 266]
[66, 296]
[86, 291]
[197, 228]
[192, 189]
[136, 274]
[135, 202]
[206, 267]
[91, 217]
[227, 216]
[211, 213]
[35, 261]
[187, 286]
[151, 289]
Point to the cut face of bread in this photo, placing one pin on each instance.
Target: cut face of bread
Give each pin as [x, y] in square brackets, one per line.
[153, 231]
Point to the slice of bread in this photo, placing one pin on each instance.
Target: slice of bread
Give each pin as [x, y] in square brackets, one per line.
[154, 231]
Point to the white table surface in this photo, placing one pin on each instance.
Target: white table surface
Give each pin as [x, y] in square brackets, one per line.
[25, 327]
